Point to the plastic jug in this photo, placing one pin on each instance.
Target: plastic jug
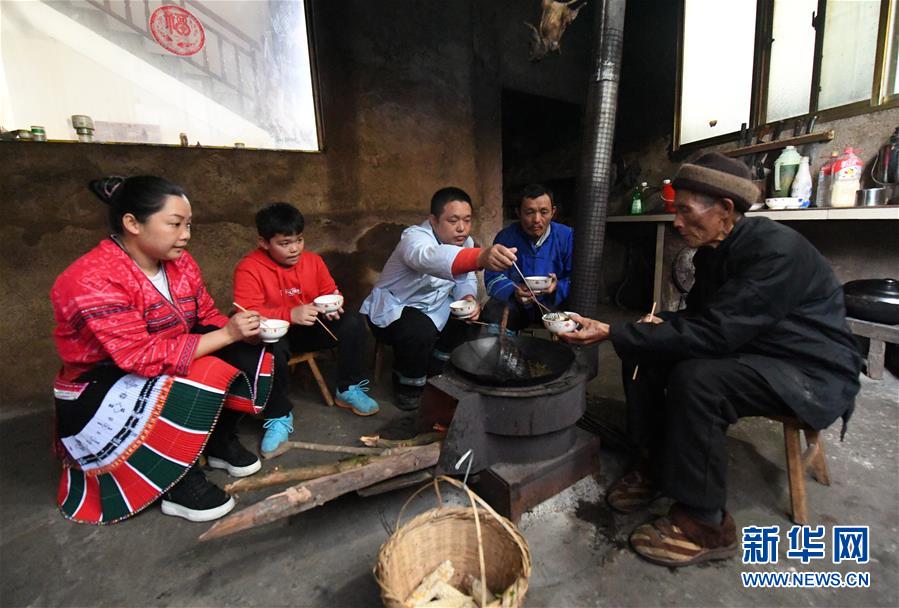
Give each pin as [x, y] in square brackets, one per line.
[785, 168]
[846, 176]
[802, 183]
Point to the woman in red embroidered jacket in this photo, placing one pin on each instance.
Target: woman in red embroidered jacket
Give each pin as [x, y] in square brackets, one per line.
[148, 365]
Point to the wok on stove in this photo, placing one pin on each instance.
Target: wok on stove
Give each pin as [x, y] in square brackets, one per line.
[512, 360]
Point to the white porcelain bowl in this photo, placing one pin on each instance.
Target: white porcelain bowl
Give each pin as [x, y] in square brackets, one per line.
[273, 330]
[538, 283]
[784, 202]
[559, 323]
[329, 303]
[463, 308]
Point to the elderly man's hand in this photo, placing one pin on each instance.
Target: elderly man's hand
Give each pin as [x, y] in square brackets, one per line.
[590, 332]
[650, 319]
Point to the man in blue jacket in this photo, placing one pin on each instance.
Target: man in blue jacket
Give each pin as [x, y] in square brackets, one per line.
[544, 249]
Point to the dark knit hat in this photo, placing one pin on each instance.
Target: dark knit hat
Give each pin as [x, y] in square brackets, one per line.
[720, 176]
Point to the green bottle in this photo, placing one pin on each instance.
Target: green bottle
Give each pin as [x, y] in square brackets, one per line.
[637, 200]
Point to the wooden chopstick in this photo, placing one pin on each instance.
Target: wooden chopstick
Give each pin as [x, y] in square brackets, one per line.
[637, 367]
[261, 322]
[326, 329]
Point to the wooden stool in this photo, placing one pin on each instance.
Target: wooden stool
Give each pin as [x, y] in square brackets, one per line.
[878, 334]
[812, 459]
[316, 373]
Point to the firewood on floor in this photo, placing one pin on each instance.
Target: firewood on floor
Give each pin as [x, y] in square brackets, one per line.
[315, 492]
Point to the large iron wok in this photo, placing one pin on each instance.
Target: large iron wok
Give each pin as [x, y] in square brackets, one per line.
[512, 360]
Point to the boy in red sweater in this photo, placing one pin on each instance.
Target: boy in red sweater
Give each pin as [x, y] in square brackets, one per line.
[280, 280]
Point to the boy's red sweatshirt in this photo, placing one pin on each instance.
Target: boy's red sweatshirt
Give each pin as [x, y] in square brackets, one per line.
[263, 285]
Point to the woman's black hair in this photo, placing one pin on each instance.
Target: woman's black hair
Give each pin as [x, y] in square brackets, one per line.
[141, 196]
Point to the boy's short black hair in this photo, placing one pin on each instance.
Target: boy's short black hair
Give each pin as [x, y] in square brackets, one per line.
[445, 196]
[279, 218]
[535, 191]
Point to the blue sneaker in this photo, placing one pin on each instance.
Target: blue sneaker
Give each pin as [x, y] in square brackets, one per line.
[354, 398]
[274, 441]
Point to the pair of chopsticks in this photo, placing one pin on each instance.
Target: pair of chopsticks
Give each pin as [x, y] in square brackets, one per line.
[637, 367]
[533, 295]
[330, 333]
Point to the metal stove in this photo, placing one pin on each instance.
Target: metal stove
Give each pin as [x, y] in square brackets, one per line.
[524, 441]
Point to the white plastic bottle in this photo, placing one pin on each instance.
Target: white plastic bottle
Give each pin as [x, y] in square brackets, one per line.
[825, 178]
[802, 183]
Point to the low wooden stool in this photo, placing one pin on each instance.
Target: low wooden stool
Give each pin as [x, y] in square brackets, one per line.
[316, 373]
[878, 334]
[812, 459]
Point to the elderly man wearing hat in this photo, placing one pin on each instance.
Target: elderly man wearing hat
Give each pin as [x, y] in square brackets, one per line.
[763, 334]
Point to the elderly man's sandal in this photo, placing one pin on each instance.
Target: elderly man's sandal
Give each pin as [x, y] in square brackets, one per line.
[679, 540]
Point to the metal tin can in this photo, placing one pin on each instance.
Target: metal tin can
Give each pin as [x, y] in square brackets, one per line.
[38, 133]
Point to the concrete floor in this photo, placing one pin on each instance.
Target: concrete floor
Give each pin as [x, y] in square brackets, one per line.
[324, 557]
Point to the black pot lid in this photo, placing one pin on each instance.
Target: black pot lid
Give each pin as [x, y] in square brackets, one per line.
[885, 290]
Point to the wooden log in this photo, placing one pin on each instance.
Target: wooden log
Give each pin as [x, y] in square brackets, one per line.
[315, 492]
[282, 477]
[375, 441]
[342, 449]
[397, 483]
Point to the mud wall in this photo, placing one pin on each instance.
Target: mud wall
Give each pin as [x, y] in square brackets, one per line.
[410, 99]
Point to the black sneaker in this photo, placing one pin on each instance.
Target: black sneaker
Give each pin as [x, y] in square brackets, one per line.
[196, 499]
[405, 401]
[232, 456]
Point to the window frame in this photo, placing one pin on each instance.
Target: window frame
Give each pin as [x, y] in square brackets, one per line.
[764, 23]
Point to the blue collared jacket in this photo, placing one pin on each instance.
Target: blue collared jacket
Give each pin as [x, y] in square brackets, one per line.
[552, 253]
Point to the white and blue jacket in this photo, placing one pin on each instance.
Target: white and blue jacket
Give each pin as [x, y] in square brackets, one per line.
[419, 274]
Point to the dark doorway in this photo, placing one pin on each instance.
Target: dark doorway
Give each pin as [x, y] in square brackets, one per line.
[541, 144]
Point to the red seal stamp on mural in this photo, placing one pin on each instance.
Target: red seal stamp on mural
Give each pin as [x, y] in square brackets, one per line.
[177, 30]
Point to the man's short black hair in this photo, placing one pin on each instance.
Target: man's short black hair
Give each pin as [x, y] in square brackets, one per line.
[444, 196]
[535, 191]
[279, 218]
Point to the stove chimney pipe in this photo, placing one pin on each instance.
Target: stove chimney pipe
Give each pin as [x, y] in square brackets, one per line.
[596, 156]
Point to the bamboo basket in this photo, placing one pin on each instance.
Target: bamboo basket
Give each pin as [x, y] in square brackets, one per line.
[478, 541]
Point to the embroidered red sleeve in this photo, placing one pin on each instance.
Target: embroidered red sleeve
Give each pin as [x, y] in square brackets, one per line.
[207, 313]
[108, 315]
[466, 260]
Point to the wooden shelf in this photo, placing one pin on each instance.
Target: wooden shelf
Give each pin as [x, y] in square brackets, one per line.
[881, 212]
[799, 140]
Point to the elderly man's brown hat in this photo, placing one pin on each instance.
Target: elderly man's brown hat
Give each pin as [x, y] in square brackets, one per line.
[720, 176]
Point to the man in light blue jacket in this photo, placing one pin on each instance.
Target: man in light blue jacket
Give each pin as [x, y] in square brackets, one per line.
[433, 264]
